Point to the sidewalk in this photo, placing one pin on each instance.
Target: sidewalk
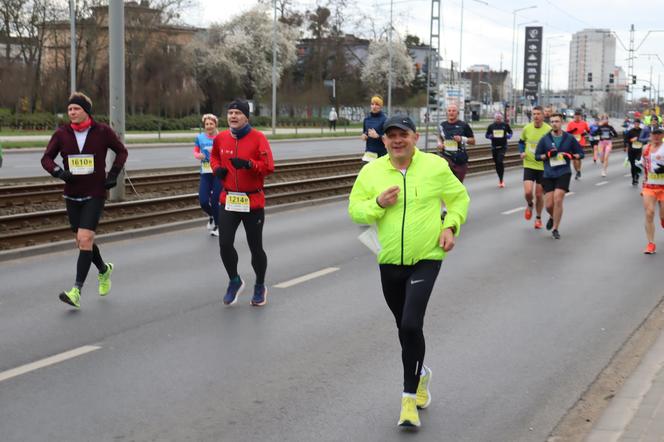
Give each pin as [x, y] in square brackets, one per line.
[636, 412]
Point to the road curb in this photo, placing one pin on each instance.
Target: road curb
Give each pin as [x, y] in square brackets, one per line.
[59, 246]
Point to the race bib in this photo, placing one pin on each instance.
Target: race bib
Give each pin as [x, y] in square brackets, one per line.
[532, 147]
[655, 178]
[498, 133]
[451, 145]
[637, 145]
[237, 202]
[559, 160]
[81, 164]
[369, 156]
[205, 167]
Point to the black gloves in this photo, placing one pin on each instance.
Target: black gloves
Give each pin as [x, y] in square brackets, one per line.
[239, 163]
[220, 172]
[112, 178]
[64, 175]
[552, 153]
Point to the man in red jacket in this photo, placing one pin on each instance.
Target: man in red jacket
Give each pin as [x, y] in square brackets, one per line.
[241, 158]
[83, 144]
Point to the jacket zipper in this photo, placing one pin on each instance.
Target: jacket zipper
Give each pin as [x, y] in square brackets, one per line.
[403, 220]
[237, 148]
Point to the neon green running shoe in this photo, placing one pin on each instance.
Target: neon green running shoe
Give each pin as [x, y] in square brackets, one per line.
[105, 280]
[409, 416]
[72, 297]
[423, 393]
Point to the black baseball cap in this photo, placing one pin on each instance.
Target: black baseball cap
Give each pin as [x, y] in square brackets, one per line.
[636, 120]
[401, 121]
[657, 130]
[578, 112]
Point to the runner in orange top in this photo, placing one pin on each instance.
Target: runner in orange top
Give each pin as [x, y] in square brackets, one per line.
[579, 129]
[653, 185]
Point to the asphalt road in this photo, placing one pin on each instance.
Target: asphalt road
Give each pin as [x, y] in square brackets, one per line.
[517, 328]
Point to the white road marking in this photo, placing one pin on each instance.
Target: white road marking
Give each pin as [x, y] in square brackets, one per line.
[627, 175]
[303, 278]
[509, 212]
[51, 360]
[601, 183]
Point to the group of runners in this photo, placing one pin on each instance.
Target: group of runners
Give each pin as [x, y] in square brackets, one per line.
[415, 199]
[233, 167]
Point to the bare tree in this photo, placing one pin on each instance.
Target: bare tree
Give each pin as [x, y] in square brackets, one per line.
[376, 68]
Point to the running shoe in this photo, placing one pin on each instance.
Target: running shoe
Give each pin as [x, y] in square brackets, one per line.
[501, 184]
[529, 213]
[215, 231]
[210, 224]
[423, 393]
[549, 224]
[235, 287]
[555, 234]
[650, 249]
[409, 416]
[260, 295]
[72, 297]
[578, 175]
[603, 172]
[538, 223]
[105, 280]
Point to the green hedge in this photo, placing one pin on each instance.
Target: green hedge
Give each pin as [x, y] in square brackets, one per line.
[48, 121]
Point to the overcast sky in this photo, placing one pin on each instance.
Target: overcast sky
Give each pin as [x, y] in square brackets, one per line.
[487, 29]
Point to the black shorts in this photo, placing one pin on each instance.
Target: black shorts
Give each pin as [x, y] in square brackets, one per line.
[562, 182]
[84, 214]
[532, 175]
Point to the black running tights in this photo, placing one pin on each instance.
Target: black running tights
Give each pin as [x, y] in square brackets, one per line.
[253, 227]
[407, 290]
[498, 157]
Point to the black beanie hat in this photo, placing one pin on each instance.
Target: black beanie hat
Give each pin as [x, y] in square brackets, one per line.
[87, 107]
[240, 105]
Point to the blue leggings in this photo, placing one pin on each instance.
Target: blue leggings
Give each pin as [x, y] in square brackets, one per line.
[208, 195]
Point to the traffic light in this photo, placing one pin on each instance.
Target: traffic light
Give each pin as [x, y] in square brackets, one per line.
[591, 88]
[633, 79]
[627, 88]
[590, 77]
[645, 88]
[606, 88]
[611, 78]
[433, 99]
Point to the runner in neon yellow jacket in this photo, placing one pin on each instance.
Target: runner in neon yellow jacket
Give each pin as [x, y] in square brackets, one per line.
[402, 193]
[409, 231]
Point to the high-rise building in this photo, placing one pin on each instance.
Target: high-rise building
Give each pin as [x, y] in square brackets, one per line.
[592, 57]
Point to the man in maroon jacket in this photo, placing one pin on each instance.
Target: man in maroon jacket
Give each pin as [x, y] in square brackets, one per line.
[83, 144]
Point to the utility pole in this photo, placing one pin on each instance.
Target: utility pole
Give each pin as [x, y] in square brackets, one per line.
[274, 68]
[116, 52]
[389, 74]
[433, 69]
[72, 43]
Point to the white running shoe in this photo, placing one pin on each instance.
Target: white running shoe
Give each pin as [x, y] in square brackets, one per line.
[210, 224]
[603, 173]
[215, 231]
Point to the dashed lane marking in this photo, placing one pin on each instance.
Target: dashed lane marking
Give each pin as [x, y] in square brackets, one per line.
[601, 183]
[307, 277]
[51, 360]
[509, 212]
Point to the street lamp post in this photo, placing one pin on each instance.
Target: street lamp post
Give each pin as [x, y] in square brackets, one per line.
[461, 35]
[514, 67]
[389, 74]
